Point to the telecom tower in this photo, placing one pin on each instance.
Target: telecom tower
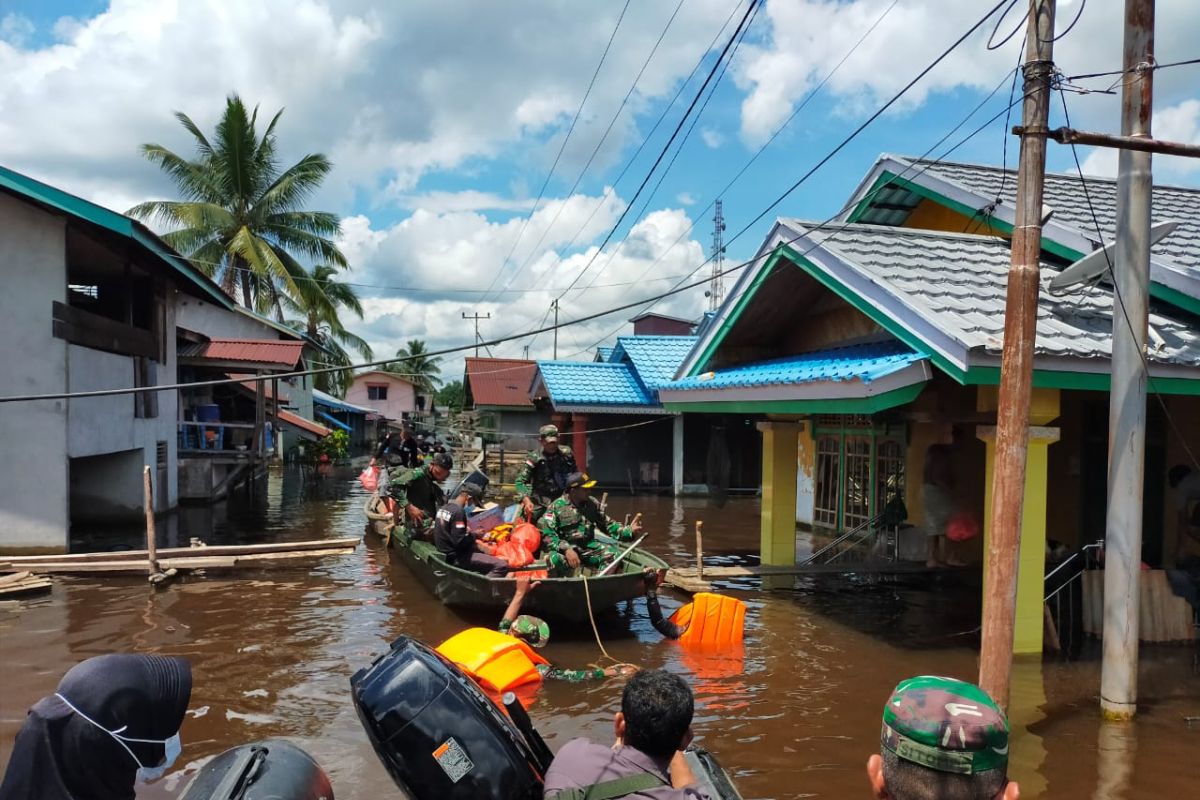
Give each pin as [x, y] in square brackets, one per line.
[716, 291]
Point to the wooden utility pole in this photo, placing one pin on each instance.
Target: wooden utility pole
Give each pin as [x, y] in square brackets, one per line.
[1016, 372]
[1127, 396]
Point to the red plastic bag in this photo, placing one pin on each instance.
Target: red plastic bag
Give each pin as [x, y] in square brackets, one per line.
[513, 553]
[962, 527]
[369, 478]
[527, 535]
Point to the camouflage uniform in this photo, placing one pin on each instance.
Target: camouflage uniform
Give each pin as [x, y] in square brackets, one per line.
[545, 670]
[543, 478]
[418, 487]
[565, 526]
[945, 725]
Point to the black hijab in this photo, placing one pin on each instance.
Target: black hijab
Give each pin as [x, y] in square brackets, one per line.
[58, 755]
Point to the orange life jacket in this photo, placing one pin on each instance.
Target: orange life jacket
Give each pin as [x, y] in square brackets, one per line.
[711, 620]
[497, 661]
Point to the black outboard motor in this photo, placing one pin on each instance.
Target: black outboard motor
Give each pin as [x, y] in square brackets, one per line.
[438, 734]
[269, 769]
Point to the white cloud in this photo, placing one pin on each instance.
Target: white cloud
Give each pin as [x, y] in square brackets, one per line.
[447, 253]
[686, 199]
[808, 37]
[468, 200]
[1178, 123]
[390, 91]
[16, 29]
[712, 138]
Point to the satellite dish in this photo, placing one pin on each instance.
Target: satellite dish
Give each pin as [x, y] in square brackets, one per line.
[1096, 262]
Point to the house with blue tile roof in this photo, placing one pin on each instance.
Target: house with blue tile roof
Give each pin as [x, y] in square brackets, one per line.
[611, 408]
[869, 350]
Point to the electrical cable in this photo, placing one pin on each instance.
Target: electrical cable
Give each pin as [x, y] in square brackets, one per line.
[754, 4]
[563, 146]
[1188, 62]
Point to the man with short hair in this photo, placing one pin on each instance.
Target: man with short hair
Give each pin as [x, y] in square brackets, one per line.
[1185, 487]
[396, 449]
[569, 529]
[418, 495]
[454, 539]
[542, 479]
[653, 728]
[942, 739]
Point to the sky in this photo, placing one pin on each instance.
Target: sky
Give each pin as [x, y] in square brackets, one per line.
[445, 120]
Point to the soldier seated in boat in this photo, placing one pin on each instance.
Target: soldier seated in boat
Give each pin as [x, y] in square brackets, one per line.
[543, 477]
[569, 529]
[456, 542]
[418, 495]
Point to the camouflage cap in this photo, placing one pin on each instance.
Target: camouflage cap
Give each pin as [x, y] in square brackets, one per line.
[549, 433]
[946, 725]
[531, 630]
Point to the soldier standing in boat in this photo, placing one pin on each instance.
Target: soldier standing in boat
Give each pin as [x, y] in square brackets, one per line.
[418, 494]
[542, 479]
[569, 529]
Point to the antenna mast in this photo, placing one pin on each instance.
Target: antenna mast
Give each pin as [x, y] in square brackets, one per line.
[716, 291]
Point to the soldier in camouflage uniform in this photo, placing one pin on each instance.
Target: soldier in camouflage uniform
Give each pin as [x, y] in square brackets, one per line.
[418, 495]
[569, 529]
[941, 738]
[543, 477]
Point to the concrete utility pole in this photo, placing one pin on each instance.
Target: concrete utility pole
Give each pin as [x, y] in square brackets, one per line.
[1127, 396]
[554, 305]
[477, 316]
[1016, 372]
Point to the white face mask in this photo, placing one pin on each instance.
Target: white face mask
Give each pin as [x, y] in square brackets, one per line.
[172, 746]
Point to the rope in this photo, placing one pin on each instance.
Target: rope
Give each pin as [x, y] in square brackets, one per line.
[596, 631]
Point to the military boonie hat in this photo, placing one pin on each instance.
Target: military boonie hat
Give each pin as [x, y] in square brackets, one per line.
[548, 433]
[579, 480]
[946, 725]
[531, 630]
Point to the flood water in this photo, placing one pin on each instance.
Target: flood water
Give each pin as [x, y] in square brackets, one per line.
[796, 715]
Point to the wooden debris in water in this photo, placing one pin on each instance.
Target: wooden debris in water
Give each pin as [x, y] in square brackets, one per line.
[23, 583]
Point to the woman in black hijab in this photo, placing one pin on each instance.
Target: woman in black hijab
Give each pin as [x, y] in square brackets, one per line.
[113, 717]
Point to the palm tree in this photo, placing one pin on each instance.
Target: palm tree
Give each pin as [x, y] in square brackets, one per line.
[318, 302]
[240, 220]
[415, 364]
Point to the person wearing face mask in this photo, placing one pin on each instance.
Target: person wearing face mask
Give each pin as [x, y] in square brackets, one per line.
[114, 720]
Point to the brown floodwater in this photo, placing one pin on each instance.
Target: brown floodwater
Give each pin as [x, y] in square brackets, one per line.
[795, 715]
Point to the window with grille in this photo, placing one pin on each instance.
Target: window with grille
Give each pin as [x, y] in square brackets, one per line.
[858, 472]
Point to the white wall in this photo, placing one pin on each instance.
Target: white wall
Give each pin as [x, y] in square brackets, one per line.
[33, 436]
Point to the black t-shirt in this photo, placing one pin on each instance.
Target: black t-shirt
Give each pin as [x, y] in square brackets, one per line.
[450, 534]
[400, 452]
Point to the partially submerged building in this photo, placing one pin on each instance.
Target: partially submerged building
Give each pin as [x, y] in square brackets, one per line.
[498, 390]
[862, 344]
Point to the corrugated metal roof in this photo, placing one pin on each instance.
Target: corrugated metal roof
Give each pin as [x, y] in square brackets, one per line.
[592, 383]
[257, 351]
[502, 382]
[329, 401]
[864, 362]
[604, 353]
[302, 424]
[1065, 195]
[654, 358]
[252, 387]
[958, 283]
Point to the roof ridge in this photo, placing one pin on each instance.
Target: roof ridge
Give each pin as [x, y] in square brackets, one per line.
[1013, 171]
[916, 233]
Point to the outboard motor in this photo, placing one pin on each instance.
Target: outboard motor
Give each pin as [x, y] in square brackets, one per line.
[439, 736]
[272, 768]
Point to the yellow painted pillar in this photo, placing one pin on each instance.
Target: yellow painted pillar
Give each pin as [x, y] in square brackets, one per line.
[778, 531]
[1031, 572]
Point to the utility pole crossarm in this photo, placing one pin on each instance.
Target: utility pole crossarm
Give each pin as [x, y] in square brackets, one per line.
[477, 316]
[1144, 144]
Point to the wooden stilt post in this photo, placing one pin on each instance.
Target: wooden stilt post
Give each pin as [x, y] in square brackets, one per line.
[699, 550]
[151, 532]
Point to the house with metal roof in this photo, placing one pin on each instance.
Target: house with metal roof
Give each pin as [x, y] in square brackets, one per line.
[90, 302]
[612, 408]
[497, 389]
[864, 344]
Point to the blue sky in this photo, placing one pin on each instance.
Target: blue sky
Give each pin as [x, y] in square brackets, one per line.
[443, 121]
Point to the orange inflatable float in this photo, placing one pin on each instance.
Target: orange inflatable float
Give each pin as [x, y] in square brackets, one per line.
[497, 661]
[711, 620]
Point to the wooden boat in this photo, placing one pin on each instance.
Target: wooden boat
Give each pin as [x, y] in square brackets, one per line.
[556, 598]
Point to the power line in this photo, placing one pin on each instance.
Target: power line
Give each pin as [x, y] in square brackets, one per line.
[754, 4]
[561, 148]
[1188, 62]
